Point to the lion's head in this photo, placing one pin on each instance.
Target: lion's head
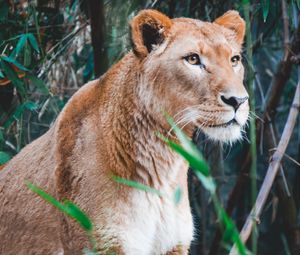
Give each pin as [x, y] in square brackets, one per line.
[193, 70]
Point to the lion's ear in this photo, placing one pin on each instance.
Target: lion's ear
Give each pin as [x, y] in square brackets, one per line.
[149, 28]
[233, 21]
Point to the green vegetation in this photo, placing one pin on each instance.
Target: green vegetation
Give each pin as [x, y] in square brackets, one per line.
[71, 210]
[47, 53]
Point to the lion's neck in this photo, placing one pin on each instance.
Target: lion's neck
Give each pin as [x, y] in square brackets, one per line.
[139, 154]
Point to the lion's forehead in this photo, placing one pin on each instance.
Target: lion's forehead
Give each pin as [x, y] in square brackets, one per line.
[204, 36]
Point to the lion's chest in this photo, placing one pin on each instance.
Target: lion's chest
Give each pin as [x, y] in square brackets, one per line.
[156, 224]
[157, 227]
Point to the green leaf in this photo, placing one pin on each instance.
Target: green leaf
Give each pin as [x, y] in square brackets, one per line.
[67, 207]
[40, 85]
[13, 77]
[30, 105]
[20, 45]
[27, 55]
[89, 252]
[198, 165]
[298, 4]
[75, 212]
[4, 157]
[177, 195]
[1, 136]
[136, 185]
[15, 116]
[190, 148]
[265, 8]
[33, 42]
[1, 75]
[19, 111]
[14, 62]
[195, 161]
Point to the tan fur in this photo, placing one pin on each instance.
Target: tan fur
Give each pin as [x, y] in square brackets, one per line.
[109, 128]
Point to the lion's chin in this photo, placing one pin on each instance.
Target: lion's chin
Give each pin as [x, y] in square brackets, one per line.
[227, 134]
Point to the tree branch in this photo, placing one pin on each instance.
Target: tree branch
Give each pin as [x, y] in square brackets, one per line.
[272, 170]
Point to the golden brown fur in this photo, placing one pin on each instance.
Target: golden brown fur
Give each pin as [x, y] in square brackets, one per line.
[108, 128]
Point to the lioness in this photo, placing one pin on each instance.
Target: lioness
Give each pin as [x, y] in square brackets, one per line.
[188, 68]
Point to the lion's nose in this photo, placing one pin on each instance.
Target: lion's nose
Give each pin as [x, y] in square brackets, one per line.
[235, 102]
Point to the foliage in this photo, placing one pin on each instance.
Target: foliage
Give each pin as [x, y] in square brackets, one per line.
[71, 210]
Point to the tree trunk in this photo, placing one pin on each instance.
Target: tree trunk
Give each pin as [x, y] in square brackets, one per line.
[97, 19]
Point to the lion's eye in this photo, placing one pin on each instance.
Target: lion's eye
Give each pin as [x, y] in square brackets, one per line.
[235, 60]
[193, 59]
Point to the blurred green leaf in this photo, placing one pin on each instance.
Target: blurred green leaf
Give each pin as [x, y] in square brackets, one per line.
[33, 42]
[136, 185]
[4, 157]
[1, 75]
[39, 83]
[67, 207]
[1, 136]
[75, 212]
[177, 195]
[194, 154]
[27, 55]
[265, 8]
[20, 46]
[30, 105]
[14, 62]
[89, 252]
[19, 111]
[13, 77]
[199, 166]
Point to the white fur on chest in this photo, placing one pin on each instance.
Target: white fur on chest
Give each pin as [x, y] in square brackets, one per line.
[156, 224]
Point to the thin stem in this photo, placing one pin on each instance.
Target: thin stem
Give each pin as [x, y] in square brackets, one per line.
[251, 86]
[272, 170]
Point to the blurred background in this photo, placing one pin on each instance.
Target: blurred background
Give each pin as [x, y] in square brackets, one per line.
[49, 49]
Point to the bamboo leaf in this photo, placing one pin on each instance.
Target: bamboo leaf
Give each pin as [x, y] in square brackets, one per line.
[4, 157]
[265, 8]
[40, 85]
[33, 42]
[1, 136]
[136, 185]
[188, 145]
[13, 77]
[89, 252]
[19, 111]
[177, 195]
[67, 207]
[27, 55]
[75, 212]
[20, 45]
[198, 165]
[14, 62]
[30, 105]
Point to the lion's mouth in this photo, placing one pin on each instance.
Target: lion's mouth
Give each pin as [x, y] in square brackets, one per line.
[231, 122]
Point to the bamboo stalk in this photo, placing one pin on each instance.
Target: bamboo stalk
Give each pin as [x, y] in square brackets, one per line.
[251, 86]
[272, 170]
